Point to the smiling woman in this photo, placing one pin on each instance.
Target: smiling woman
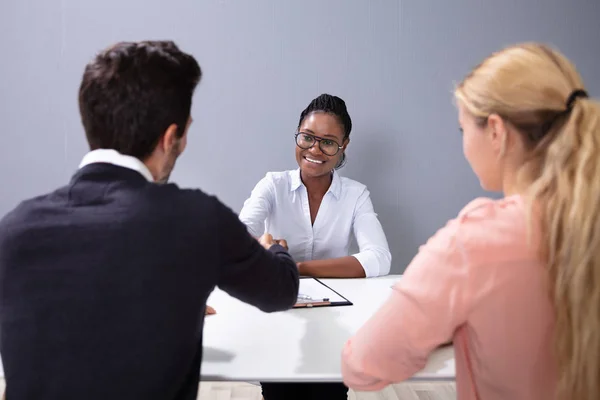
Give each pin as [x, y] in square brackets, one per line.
[316, 211]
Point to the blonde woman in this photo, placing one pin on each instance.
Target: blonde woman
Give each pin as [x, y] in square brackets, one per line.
[514, 283]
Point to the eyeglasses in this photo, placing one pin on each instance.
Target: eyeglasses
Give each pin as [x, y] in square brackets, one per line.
[305, 141]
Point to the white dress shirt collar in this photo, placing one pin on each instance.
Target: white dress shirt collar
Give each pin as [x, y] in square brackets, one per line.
[113, 157]
[335, 188]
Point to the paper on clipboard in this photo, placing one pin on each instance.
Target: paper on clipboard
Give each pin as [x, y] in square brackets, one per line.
[314, 292]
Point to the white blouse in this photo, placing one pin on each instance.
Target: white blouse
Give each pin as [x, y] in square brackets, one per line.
[278, 205]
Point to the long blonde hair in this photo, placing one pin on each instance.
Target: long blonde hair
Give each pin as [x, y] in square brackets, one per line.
[535, 89]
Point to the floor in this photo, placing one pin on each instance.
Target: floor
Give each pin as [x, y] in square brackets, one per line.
[405, 391]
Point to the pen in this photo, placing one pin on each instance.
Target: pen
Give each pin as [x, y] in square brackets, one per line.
[307, 297]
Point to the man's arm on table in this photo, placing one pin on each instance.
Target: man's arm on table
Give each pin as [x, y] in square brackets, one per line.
[267, 279]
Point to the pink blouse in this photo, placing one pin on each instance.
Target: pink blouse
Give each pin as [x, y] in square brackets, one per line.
[477, 282]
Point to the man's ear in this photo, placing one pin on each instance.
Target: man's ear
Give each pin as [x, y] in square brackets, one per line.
[169, 139]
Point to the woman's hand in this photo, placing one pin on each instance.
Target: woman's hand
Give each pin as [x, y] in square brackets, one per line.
[282, 243]
[266, 241]
[210, 311]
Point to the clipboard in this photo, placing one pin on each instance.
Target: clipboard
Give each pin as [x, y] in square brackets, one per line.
[314, 293]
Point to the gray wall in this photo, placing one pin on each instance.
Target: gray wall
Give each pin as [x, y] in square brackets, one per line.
[394, 62]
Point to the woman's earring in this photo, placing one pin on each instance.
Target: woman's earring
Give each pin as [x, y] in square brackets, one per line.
[342, 161]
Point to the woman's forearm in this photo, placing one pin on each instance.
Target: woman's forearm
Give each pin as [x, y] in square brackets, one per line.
[342, 267]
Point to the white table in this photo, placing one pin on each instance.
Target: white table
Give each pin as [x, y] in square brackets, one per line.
[242, 343]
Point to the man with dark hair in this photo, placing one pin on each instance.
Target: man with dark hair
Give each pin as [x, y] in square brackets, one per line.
[104, 282]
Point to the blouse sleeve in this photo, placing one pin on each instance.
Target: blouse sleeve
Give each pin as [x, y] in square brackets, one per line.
[426, 306]
[374, 253]
[258, 206]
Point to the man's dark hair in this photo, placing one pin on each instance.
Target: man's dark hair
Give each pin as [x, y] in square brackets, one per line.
[132, 92]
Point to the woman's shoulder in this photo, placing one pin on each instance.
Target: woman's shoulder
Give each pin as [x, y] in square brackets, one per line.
[353, 185]
[279, 179]
[484, 208]
[486, 225]
[276, 176]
